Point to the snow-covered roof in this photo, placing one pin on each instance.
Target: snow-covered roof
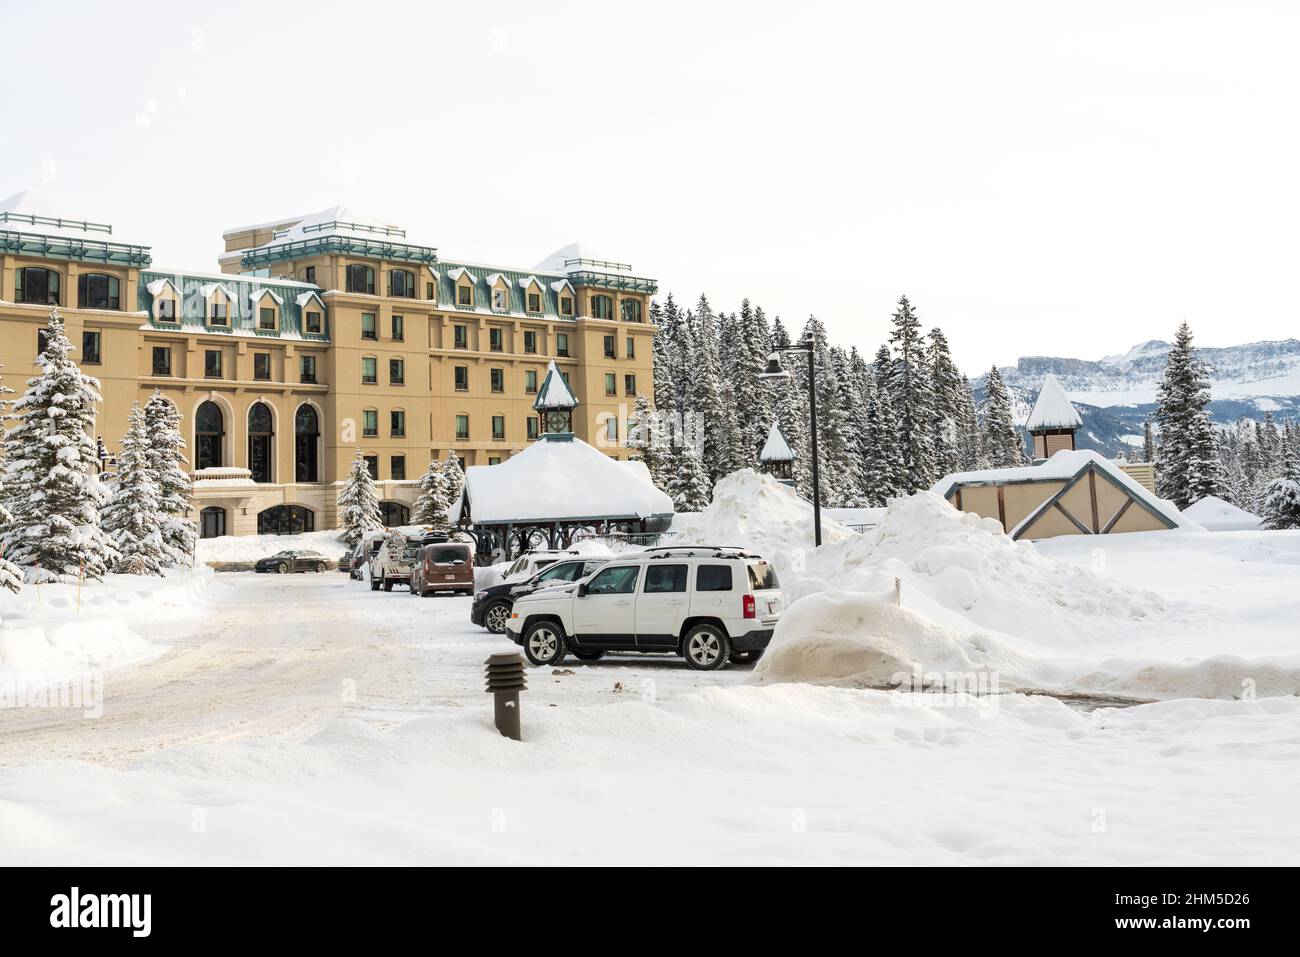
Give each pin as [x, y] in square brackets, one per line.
[555, 392]
[560, 481]
[30, 205]
[1216, 515]
[256, 295]
[564, 261]
[208, 288]
[455, 274]
[303, 298]
[1053, 408]
[776, 448]
[158, 285]
[527, 281]
[339, 220]
[496, 278]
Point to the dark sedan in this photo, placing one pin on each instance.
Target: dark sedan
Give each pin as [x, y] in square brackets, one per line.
[492, 605]
[292, 561]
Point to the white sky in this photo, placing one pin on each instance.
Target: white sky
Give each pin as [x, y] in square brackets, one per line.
[1040, 178]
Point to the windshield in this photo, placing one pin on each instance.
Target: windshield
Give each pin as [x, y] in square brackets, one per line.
[762, 576]
[283, 555]
[448, 556]
[561, 572]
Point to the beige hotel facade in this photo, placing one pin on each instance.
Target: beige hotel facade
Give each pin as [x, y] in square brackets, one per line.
[318, 335]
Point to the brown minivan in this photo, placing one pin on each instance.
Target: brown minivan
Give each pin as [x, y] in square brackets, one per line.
[444, 567]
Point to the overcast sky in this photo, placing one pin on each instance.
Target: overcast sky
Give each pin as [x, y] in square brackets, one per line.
[1039, 178]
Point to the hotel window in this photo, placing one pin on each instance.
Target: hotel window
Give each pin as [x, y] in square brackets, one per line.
[397, 371]
[98, 291]
[162, 360]
[428, 290]
[399, 328]
[368, 328]
[37, 285]
[631, 310]
[464, 294]
[262, 366]
[397, 423]
[401, 284]
[500, 300]
[90, 348]
[212, 364]
[611, 385]
[397, 468]
[369, 370]
[266, 319]
[42, 341]
[631, 348]
[313, 323]
[609, 348]
[372, 466]
[530, 381]
[530, 342]
[602, 307]
[167, 310]
[462, 378]
[498, 427]
[534, 302]
[307, 370]
[361, 279]
[498, 378]
[562, 344]
[309, 274]
[629, 385]
[495, 339]
[566, 305]
[611, 429]
[460, 336]
[220, 312]
[532, 427]
[462, 427]
[370, 423]
[494, 460]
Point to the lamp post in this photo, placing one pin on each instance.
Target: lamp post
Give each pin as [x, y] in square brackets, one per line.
[774, 370]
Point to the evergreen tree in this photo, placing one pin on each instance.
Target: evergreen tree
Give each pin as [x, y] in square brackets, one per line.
[948, 388]
[358, 503]
[887, 477]
[10, 575]
[431, 507]
[1002, 445]
[688, 484]
[703, 394]
[646, 438]
[1148, 442]
[1281, 507]
[1188, 466]
[970, 441]
[132, 517]
[911, 393]
[167, 465]
[454, 476]
[53, 491]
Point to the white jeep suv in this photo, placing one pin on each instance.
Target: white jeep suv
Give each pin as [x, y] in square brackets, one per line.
[709, 604]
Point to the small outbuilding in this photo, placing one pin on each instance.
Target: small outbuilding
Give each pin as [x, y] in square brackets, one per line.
[1053, 421]
[777, 458]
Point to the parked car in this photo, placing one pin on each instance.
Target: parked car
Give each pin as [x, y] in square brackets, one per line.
[530, 563]
[392, 562]
[711, 605]
[492, 605]
[443, 567]
[292, 561]
[364, 551]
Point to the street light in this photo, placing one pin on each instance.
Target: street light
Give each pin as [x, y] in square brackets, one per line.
[774, 370]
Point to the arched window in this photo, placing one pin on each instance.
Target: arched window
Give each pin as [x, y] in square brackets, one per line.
[209, 433]
[260, 446]
[34, 284]
[212, 522]
[631, 310]
[361, 279]
[285, 520]
[97, 290]
[602, 307]
[394, 514]
[306, 429]
[401, 283]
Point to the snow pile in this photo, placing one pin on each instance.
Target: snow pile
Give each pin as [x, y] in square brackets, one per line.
[249, 548]
[1215, 515]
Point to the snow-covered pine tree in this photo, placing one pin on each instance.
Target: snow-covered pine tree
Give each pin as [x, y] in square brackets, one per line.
[1188, 466]
[970, 441]
[704, 393]
[841, 435]
[132, 517]
[887, 476]
[167, 462]
[1148, 442]
[53, 491]
[911, 393]
[431, 507]
[358, 503]
[454, 476]
[1281, 508]
[688, 484]
[645, 438]
[1003, 447]
[948, 386]
[11, 577]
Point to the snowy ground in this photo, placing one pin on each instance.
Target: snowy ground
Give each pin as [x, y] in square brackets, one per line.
[305, 718]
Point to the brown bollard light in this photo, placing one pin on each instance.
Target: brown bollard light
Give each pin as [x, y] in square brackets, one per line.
[505, 679]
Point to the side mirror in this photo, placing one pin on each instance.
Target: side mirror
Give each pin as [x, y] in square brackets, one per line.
[582, 589]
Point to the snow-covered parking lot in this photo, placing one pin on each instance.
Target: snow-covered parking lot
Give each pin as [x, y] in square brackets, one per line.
[304, 718]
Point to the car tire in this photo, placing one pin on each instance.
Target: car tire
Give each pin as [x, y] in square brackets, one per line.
[589, 655]
[706, 648]
[544, 643]
[374, 584]
[320, 568]
[388, 584]
[282, 569]
[497, 613]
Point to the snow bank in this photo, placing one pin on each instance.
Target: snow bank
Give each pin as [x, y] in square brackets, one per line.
[249, 548]
[1215, 515]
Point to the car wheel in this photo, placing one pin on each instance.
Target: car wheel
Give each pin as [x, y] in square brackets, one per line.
[374, 584]
[496, 616]
[282, 568]
[544, 643]
[320, 568]
[589, 655]
[706, 647]
[388, 584]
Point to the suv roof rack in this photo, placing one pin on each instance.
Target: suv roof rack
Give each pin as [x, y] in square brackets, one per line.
[732, 550]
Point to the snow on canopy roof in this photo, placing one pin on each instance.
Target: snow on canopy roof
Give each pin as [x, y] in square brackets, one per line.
[555, 392]
[776, 448]
[560, 481]
[1053, 408]
[1062, 467]
[555, 263]
[1216, 515]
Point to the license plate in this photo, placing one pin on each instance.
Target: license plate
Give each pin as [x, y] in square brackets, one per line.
[449, 577]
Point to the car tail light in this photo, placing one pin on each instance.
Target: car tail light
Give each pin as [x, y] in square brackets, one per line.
[749, 606]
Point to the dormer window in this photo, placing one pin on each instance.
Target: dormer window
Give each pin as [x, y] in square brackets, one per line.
[266, 318]
[361, 279]
[401, 283]
[566, 305]
[313, 322]
[97, 290]
[464, 294]
[500, 300]
[218, 304]
[167, 309]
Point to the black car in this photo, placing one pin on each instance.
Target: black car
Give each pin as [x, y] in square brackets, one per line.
[491, 608]
[292, 561]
